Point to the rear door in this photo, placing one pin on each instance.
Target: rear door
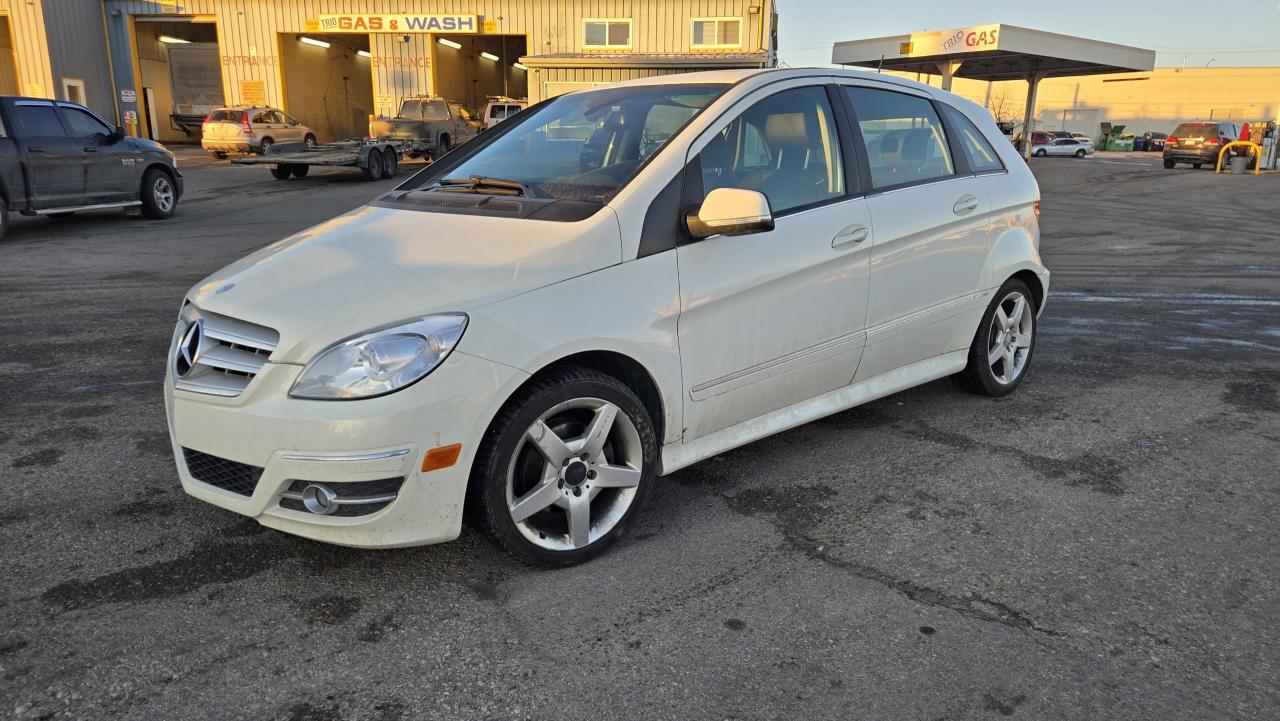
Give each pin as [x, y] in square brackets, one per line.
[464, 127]
[110, 167]
[54, 160]
[932, 227]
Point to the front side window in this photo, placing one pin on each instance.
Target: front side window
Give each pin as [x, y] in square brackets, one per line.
[904, 138]
[587, 145]
[84, 125]
[784, 146]
[38, 121]
[717, 33]
[461, 112]
[606, 33]
[981, 156]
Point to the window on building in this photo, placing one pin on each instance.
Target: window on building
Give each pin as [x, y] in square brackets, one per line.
[717, 33]
[981, 156]
[606, 33]
[84, 125]
[904, 137]
[73, 90]
[784, 146]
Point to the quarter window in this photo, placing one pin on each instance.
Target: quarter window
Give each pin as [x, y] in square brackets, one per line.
[717, 33]
[606, 33]
[981, 156]
[784, 146]
[904, 138]
[84, 125]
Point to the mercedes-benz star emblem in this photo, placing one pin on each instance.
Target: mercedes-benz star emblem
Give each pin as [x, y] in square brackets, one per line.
[187, 354]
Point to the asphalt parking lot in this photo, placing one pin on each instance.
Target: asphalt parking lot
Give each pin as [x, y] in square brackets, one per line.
[1100, 545]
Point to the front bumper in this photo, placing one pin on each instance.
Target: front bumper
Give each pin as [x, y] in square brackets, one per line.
[339, 442]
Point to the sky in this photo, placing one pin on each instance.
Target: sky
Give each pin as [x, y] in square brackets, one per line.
[1246, 33]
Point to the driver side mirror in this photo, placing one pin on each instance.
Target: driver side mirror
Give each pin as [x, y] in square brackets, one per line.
[731, 211]
[118, 135]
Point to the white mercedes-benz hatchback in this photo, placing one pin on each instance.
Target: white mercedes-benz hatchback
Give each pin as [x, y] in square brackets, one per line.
[609, 286]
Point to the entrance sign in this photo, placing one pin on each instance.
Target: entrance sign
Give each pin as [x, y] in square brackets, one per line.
[399, 23]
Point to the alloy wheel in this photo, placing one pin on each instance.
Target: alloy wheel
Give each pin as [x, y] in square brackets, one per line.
[162, 192]
[1010, 337]
[574, 474]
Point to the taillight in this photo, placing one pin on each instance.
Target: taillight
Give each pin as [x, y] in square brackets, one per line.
[1170, 141]
[1212, 141]
[206, 118]
[244, 123]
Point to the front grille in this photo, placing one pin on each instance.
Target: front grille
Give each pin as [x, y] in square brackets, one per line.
[228, 475]
[347, 490]
[230, 353]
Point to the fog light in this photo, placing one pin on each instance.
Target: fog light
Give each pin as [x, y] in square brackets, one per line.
[320, 499]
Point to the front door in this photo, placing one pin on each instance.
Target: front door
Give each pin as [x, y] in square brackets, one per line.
[110, 167]
[933, 225]
[775, 318]
[54, 159]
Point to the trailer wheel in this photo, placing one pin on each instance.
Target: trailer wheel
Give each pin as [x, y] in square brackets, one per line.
[373, 165]
[389, 163]
[281, 172]
[4, 217]
[299, 170]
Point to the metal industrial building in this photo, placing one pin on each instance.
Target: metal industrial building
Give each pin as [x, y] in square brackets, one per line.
[157, 66]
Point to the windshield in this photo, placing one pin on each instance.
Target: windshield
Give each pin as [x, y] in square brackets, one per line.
[587, 145]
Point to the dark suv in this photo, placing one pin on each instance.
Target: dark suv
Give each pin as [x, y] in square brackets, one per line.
[1198, 143]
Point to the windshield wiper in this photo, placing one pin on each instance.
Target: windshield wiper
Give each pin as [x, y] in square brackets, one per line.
[481, 184]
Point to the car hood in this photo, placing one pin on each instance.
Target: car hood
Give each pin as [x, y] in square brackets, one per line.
[375, 266]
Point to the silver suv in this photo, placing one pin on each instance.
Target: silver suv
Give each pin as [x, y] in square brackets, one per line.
[251, 129]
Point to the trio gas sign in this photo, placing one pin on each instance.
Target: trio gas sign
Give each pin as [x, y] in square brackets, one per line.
[958, 40]
[398, 23]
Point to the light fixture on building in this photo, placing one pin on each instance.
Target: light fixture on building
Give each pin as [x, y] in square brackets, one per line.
[490, 56]
[519, 66]
[171, 40]
[449, 43]
[364, 53]
[313, 41]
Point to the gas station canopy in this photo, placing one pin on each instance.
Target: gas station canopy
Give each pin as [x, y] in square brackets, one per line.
[994, 52]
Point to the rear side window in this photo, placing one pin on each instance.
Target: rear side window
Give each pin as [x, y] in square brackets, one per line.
[38, 121]
[784, 146]
[981, 156]
[904, 138]
[226, 116]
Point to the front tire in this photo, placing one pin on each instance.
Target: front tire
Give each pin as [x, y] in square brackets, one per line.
[4, 217]
[159, 196]
[373, 165]
[300, 170]
[564, 467]
[1080, 153]
[281, 172]
[389, 163]
[1000, 354]
[310, 141]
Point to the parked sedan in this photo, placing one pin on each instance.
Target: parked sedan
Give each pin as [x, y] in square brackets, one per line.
[365, 380]
[1153, 141]
[1065, 146]
[251, 129]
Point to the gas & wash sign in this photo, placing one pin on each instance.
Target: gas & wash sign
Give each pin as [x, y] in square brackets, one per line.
[398, 23]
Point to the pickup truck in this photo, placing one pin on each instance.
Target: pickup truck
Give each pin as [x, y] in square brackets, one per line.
[430, 126]
[57, 158]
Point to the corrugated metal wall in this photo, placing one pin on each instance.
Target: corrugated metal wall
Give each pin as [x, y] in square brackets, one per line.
[78, 49]
[248, 33]
[31, 49]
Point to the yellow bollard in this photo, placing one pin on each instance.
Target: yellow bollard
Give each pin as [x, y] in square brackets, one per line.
[1255, 151]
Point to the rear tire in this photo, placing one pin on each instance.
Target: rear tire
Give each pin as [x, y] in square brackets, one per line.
[1011, 342]
[1168, 164]
[299, 170]
[265, 145]
[373, 165]
[159, 196]
[1041, 153]
[310, 141]
[1080, 153]
[1196, 165]
[4, 218]
[389, 163]
[220, 155]
[572, 522]
[281, 172]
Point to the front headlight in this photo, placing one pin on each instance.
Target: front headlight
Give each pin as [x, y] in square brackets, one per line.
[380, 361]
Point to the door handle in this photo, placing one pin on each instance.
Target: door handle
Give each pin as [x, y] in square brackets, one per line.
[851, 234]
[90, 149]
[35, 149]
[966, 204]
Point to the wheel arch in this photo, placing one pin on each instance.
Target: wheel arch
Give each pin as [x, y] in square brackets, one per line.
[1033, 282]
[153, 165]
